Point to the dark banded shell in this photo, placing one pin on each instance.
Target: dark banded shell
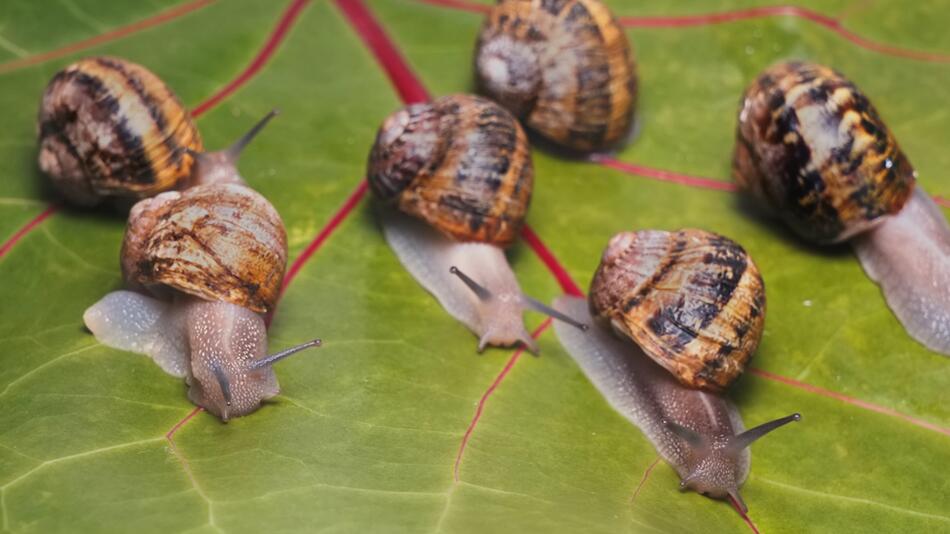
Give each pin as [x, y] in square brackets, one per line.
[811, 145]
[218, 242]
[461, 163]
[564, 67]
[109, 127]
[692, 300]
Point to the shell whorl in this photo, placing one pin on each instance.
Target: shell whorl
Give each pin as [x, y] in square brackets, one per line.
[460, 163]
[109, 127]
[218, 242]
[407, 144]
[692, 300]
[508, 72]
[811, 145]
[562, 66]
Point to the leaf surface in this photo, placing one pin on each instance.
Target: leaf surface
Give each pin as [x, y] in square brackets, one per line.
[367, 432]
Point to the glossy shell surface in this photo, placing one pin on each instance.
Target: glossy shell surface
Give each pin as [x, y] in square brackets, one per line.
[810, 145]
[562, 66]
[218, 242]
[109, 127]
[460, 163]
[692, 300]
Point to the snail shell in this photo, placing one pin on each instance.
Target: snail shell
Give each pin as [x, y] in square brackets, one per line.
[811, 145]
[219, 242]
[564, 67]
[692, 300]
[460, 163]
[109, 127]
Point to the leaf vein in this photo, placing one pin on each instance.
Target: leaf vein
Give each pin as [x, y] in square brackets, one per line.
[42, 366]
[856, 500]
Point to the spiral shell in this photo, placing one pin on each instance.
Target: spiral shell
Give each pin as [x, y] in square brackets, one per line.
[811, 145]
[562, 66]
[692, 300]
[461, 163]
[219, 242]
[109, 127]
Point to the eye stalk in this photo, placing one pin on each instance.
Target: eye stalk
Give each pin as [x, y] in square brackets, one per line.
[276, 357]
[480, 291]
[223, 382]
[484, 294]
[225, 389]
[743, 440]
[221, 166]
[234, 151]
[695, 440]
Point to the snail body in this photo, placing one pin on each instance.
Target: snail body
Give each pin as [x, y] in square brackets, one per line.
[912, 270]
[455, 176]
[109, 128]
[811, 146]
[676, 317]
[564, 68]
[699, 434]
[694, 301]
[206, 265]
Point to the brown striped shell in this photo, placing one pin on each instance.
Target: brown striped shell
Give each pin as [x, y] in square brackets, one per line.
[811, 145]
[692, 300]
[460, 163]
[218, 242]
[564, 67]
[109, 127]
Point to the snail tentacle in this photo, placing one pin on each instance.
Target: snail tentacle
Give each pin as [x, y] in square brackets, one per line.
[743, 440]
[277, 356]
[221, 166]
[529, 302]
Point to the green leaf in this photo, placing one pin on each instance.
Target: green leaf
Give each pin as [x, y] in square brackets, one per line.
[367, 431]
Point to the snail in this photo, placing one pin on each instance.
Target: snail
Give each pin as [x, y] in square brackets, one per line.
[811, 146]
[205, 265]
[563, 67]
[458, 171]
[111, 128]
[683, 290]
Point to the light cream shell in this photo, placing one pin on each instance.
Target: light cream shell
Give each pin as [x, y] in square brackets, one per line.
[218, 242]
